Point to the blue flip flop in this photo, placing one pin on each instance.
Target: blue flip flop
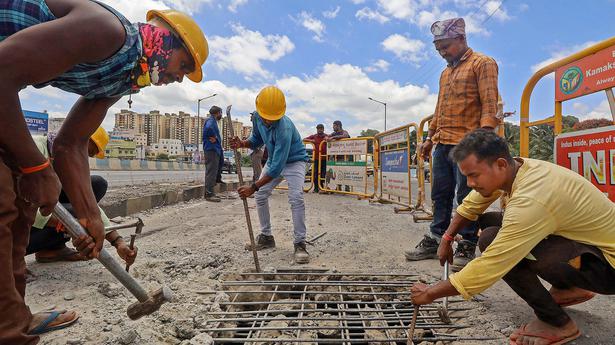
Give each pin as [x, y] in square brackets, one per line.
[43, 326]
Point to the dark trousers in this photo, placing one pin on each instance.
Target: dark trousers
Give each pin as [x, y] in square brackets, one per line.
[553, 255]
[15, 221]
[448, 182]
[213, 169]
[50, 239]
[319, 168]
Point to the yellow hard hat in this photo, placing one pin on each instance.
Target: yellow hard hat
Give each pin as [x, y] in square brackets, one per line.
[190, 33]
[100, 138]
[271, 103]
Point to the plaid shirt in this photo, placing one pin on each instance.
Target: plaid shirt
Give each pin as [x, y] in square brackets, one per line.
[106, 78]
[468, 98]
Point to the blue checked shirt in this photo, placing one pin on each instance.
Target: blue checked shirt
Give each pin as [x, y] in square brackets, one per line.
[106, 78]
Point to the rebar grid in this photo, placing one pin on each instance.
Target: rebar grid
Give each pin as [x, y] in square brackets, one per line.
[324, 308]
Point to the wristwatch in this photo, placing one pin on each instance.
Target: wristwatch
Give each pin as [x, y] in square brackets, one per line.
[255, 187]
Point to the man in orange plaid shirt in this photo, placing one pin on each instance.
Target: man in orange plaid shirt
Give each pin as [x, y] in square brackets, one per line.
[467, 99]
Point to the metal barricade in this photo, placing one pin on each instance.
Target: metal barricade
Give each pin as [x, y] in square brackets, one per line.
[395, 166]
[425, 213]
[309, 171]
[571, 87]
[349, 165]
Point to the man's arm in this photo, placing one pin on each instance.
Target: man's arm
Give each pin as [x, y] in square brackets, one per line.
[472, 206]
[487, 77]
[342, 135]
[20, 52]
[71, 162]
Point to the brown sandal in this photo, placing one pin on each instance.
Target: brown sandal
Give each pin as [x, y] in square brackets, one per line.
[64, 254]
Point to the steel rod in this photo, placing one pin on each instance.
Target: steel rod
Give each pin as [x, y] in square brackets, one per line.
[402, 317]
[426, 308]
[301, 313]
[351, 340]
[308, 328]
[405, 283]
[246, 209]
[335, 274]
[322, 302]
[290, 292]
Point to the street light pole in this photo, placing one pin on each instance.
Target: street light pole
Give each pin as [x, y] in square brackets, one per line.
[198, 120]
[385, 111]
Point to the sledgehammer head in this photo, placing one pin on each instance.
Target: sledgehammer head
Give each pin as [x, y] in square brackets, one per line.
[156, 299]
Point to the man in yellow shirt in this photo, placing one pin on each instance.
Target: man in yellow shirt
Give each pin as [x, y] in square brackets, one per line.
[556, 226]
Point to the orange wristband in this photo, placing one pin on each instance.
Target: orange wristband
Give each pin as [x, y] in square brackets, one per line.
[448, 237]
[36, 168]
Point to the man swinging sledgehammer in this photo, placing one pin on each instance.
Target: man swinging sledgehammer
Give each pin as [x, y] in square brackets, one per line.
[82, 47]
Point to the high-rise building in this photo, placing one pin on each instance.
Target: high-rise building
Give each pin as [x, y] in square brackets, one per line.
[246, 131]
[153, 126]
[156, 126]
[127, 119]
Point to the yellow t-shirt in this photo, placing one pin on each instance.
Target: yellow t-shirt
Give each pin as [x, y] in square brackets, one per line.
[546, 199]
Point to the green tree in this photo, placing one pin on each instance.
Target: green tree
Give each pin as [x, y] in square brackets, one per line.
[511, 134]
[369, 132]
[245, 161]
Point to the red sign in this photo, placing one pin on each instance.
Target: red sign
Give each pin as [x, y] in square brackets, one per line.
[590, 74]
[590, 153]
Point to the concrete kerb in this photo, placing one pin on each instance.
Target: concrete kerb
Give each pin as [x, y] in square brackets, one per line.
[130, 206]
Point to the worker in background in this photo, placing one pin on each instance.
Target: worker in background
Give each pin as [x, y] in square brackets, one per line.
[86, 48]
[467, 99]
[47, 240]
[557, 226]
[320, 166]
[212, 148]
[340, 133]
[287, 158]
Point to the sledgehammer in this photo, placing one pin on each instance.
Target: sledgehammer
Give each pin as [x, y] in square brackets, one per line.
[146, 304]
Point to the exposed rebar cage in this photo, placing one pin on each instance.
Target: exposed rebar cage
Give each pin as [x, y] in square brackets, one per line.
[321, 307]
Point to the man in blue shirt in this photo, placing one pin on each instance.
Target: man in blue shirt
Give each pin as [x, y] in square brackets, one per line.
[287, 157]
[212, 147]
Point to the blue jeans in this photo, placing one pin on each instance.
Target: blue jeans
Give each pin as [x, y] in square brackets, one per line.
[294, 173]
[446, 180]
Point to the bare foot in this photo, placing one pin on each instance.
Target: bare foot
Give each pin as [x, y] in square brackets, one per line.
[541, 333]
[567, 297]
[39, 317]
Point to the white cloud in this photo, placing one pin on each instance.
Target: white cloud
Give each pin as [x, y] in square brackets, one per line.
[357, 2]
[558, 54]
[369, 14]
[332, 13]
[400, 9]
[425, 19]
[601, 111]
[312, 24]
[498, 10]
[236, 3]
[404, 48]
[329, 94]
[333, 94]
[246, 50]
[523, 7]
[380, 65]
[135, 10]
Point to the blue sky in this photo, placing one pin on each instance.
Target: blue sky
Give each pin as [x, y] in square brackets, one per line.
[330, 56]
